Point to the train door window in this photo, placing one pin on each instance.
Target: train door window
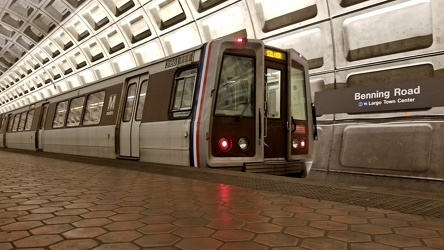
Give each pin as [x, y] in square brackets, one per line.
[75, 112]
[236, 87]
[29, 120]
[59, 118]
[11, 122]
[94, 106]
[16, 122]
[3, 124]
[183, 93]
[131, 94]
[45, 111]
[273, 93]
[142, 94]
[298, 105]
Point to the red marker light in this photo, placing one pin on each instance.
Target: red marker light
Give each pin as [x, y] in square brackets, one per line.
[303, 143]
[224, 144]
[241, 40]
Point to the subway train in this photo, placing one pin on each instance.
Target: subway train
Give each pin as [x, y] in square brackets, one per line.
[229, 103]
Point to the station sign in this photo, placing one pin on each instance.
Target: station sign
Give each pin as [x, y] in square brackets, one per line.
[409, 95]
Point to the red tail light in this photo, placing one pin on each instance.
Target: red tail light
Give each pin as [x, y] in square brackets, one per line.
[241, 40]
[303, 143]
[224, 144]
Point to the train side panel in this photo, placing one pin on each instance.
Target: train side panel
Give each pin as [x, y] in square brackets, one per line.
[97, 141]
[165, 127]
[165, 142]
[94, 138]
[20, 133]
[21, 140]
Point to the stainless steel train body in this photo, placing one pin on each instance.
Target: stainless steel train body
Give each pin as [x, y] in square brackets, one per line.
[228, 103]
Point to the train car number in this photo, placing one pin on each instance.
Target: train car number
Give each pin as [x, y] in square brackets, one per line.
[180, 60]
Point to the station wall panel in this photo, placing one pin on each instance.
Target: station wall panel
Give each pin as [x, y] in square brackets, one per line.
[395, 30]
[269, 20]
[392, 149]
[315, 43]
[230, 21]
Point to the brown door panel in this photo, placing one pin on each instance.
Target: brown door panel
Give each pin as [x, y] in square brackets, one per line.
[276, 123]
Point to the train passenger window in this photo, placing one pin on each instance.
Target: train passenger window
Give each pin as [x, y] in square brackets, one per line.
[75, 112]
[183, 93]
[235, 94]
[59, 118]
[142, 94]
[29, 120]
[16, 122]
[131, 94]
[94, 106]
[22, 121]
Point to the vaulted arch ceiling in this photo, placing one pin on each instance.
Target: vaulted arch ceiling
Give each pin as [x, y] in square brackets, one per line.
[51, 46]
[48, 47]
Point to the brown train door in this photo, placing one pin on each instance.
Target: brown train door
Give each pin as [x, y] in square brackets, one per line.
[276, 127]
[41, 127]
[134, 101]
[4, 128]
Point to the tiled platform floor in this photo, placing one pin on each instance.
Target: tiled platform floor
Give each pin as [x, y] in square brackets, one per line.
[59, 203]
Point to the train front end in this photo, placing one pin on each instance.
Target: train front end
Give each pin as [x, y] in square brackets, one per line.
[253, 109]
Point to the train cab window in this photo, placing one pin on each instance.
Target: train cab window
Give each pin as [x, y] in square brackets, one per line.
[298, 105]
[142, 94]
[59, 118]
[22, 121]
[183, 93]
[235, 94]
[29, 120]
[16, 122]
[131, 94]
[94, 106]
[75, 112]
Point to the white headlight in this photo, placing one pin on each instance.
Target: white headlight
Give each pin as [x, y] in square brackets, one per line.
[243, 143]
[295, 143]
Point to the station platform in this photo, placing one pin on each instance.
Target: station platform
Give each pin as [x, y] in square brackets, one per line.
[53, 201]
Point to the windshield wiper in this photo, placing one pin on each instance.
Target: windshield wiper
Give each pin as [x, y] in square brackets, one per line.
[247, 104]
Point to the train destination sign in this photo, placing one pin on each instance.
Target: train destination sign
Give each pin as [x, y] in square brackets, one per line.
[275, 54]
[417, 94]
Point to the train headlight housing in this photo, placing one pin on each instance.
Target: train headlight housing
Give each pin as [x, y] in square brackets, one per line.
[224, 144]
[295, 143]
[243, 143]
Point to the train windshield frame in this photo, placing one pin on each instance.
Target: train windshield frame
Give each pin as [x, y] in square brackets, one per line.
[236, 87]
